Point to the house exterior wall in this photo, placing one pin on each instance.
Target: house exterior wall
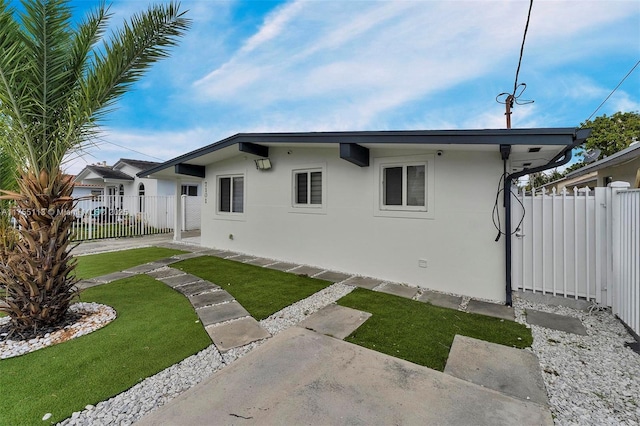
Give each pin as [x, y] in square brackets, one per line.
[626, 172]
[348, 234]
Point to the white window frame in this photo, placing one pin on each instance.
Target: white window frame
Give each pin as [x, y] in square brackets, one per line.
[231, 214]
[420, 212]
[308, 207]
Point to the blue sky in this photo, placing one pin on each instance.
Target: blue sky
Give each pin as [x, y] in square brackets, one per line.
[262, 66]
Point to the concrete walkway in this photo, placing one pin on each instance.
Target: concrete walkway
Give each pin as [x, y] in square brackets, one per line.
[300, 377]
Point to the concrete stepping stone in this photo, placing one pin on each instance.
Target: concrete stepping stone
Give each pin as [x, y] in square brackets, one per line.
[511, 371]
[305, 270]
[144, 268]
[211, 298]
[196, 288]
[104, 279]
[332, 276]
[82, 284]
[165, 273]
[229, 255]
[364, 282]
[215, 252]
[167, 261]
[188, 255]
[491, 309]
[180, 280]
[283, 266]
[555, 322]
[335, 321]
[178, 246]
[236, 333]
[439, 299]
[260, 261]
[398, 290]
[243, 258]
[221, 313]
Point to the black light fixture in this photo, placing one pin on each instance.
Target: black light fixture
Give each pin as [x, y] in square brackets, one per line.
[263, 164]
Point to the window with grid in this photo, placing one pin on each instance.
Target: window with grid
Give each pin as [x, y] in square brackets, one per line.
[231, 194]
[308, 187]
[404, 187]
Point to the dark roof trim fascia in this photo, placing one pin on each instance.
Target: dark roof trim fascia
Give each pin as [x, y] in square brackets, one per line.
[545, 136]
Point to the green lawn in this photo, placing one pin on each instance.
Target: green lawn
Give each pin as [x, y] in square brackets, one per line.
[94, 265]
[423, 333]
[259, 290]
[156, 328]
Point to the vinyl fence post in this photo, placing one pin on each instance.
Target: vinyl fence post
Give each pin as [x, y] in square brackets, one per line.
[616, 240]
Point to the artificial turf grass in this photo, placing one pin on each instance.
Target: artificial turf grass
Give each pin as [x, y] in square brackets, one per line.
[423, 333]
[94, 265]
[261, 291]
[156, 327]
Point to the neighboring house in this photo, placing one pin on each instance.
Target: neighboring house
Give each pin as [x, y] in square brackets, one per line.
[121, 180]
[622, 166]
[405, 206]
[85, 191]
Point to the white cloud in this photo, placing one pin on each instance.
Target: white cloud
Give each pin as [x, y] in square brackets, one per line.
[362, 59]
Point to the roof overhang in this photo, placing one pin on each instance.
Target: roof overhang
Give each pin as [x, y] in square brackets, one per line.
[529, 147]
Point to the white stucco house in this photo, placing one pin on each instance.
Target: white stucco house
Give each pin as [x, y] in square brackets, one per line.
[407, 206]
[123, 194]
[122, 179]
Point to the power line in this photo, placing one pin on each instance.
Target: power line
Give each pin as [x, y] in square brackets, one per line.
[512, 98]
[130, 149]
[614, 90]
[524, 37]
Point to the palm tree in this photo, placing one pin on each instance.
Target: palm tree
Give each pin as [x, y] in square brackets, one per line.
[57, 81]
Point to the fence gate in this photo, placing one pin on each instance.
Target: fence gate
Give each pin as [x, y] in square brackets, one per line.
[580, 244]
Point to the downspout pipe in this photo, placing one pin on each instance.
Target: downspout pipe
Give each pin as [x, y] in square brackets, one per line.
[559, 160]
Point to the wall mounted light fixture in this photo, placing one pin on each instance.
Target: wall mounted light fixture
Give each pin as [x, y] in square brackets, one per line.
[263, 164]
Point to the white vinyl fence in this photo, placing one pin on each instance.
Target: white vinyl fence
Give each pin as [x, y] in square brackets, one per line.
[626, 297]
[114, 216]
[580, 244]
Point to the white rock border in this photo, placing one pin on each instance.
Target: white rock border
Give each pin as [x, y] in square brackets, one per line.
[592, 379]
[94, 317]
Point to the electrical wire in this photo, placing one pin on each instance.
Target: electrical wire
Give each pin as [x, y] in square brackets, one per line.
[614, 90]
[524, 37]
[133, 150]
[513, 97]
[495, 215]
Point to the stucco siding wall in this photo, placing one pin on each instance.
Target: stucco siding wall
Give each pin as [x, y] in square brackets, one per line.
[457, 243]
[623, 172]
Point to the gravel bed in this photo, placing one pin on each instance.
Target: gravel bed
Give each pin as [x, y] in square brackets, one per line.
[592, 379]
[93, 316]
[157, 390]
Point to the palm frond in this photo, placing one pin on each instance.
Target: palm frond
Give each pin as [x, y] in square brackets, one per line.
[130, 52]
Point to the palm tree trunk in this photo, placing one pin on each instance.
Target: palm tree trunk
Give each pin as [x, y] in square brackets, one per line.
[37, 272]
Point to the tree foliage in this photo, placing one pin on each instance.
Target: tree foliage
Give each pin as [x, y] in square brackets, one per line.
[58, 79]
[612, 134]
